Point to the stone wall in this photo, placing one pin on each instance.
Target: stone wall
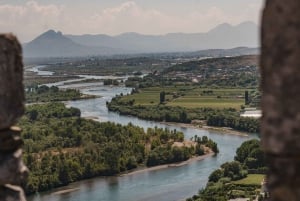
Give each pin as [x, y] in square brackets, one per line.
[12, 170]
[280, 69]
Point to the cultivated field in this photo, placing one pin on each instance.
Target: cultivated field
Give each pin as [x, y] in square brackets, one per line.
[191, 97]
[251, 179]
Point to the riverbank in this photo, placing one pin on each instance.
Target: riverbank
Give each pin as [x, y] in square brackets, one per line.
[160, 167]
[222, 130]
[70, 189]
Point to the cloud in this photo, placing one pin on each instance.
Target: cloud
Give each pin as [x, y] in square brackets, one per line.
[126, 17]
[131, 17]
[32, 18]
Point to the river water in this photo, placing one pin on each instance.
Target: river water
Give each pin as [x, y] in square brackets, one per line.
[171, 184]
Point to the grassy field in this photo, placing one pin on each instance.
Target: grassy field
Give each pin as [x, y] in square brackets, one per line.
[191, 97]
[251, 179]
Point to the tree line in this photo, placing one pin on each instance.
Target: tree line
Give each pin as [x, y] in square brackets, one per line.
[227, 117]
[43, 93]
[61, 147]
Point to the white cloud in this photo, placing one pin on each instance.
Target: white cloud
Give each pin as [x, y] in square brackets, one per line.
[130, 16]
[32, 18]
[29, 19]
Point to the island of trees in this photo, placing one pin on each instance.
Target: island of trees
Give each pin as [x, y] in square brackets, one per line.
[43, 93]
[61, 147]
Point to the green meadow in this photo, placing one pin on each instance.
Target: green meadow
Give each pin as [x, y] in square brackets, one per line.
[191, 97]
[251, 179]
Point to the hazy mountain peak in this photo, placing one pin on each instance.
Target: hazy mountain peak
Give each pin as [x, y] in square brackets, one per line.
[50, 34]
[50, 31]
[247, 23]
[221, 28]
[223, 25]
[55, 44]
[129, 34]
[223, 36]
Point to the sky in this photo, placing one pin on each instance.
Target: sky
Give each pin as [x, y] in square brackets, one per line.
[29, 18]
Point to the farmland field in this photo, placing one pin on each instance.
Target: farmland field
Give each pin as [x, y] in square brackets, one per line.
[191, 97]
[254, 179]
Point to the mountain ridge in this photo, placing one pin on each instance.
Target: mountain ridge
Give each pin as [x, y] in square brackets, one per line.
[223, 36]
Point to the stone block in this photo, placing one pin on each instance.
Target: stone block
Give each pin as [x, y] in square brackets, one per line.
[10, 140]
[12, 169]
[284, 178]
[11, 81]
[11, 193]
[280, 69]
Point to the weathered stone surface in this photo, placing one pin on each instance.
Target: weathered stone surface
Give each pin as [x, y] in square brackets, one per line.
[10, 140]
[11, 193]
[11, 81]
[284, 178]
[12, 169]
[280, 62]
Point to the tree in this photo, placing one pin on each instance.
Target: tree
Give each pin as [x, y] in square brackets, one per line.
[233, 170]
[245, 149]
[42, 89]
[54, 89]
[183, 117]
[32, 114]
[246, 98]
[216, 175]
[199, 150]
[64, 174]
[162, 96]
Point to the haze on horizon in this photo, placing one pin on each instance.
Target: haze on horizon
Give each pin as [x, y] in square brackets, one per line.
[28, 19]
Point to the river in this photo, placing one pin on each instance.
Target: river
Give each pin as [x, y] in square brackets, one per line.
[171, 184]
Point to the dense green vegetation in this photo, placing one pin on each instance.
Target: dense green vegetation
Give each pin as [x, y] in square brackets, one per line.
[60, 147]
[44, 93]
[226, 117]
[170, 154]
[240, 72]
[237, 179]
[211, 90]
[223, 72]
[190, 96]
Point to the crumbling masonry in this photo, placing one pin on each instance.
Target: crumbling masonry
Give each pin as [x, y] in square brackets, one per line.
[280, 63]
[12, 169]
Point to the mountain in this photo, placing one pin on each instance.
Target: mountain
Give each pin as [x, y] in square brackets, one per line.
[238, 51]
[55, 44]
[224, 36]
[132, 42]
